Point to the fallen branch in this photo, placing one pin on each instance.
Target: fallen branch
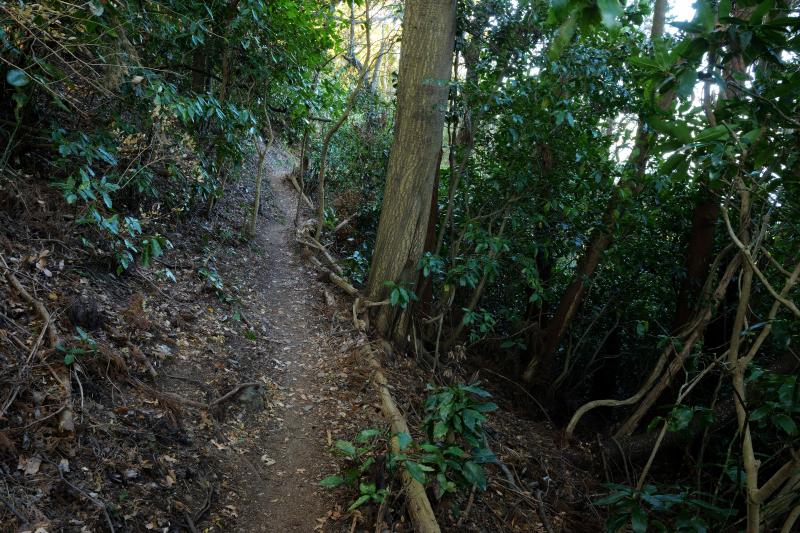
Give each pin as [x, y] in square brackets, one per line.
[311, 242]
[344, 222]
[542, 512]
[89, 496]
[419, 507]
[335, 278]
[66, 422]
[300, 190]
[194, 403]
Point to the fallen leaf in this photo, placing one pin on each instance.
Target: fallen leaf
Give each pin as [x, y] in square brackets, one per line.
[30, 465]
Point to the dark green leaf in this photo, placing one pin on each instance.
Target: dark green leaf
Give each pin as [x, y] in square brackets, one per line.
[639, 520]
[359, 502]
[403, 440]
[332, 481]
[473, 472]
[346, 447]
[610, 11]
[367, 434]
[415, 471]
[785, 423]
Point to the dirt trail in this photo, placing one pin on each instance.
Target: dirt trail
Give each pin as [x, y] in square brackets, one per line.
[284, 495]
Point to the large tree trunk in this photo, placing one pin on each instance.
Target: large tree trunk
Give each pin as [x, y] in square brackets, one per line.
[542, 364]
[424, 284]
[699, 253]
[540, 367]
[428, 38]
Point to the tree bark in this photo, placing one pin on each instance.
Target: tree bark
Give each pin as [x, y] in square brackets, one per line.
[699, 253]
[263, 148]
[423, 79]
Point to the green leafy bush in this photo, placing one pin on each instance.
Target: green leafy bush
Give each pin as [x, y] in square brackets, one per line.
[650, 509]
[450, 459]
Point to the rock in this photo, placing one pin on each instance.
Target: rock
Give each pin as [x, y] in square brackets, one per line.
[84, 312]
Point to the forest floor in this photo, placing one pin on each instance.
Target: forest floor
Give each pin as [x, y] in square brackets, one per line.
[211, 402]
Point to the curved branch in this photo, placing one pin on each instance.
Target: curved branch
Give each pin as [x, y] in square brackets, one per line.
[749, 256]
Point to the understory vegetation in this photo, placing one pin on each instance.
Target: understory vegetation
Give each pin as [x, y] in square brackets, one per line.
[589, 206]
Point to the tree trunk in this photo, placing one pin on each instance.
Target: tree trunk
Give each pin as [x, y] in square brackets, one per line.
[423, 79]
[542, 364]
[425, 284]
[250, 227]
[351, 101]
[699, 253]
[374, 84]
[199, 70]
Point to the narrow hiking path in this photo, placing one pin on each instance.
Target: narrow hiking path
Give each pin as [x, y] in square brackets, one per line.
[286, 496]
[278, 328]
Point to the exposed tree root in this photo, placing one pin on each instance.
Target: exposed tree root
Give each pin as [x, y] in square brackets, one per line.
[419, 506]
[170, 397]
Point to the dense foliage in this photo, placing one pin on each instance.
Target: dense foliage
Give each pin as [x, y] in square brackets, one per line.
[149, 106]
[616, 215]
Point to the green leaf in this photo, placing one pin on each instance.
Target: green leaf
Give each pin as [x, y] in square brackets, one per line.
[332, 481]
[473, 472]
[69, 358]
[611, 499]
[17, 78]
[714, 133]
[785, 423]
[680, 418]
[439, 430]
[705, 15]
[359, 502]
[415, 471]
[96, 8]
[472, 418]
[786, 393]
[686, 82]
[155, 247]
[367, 434]
[455, 451]
[483, 455]
[639, 520]
[474, 389]
[485, 407]
[403, 440]
[346, 447]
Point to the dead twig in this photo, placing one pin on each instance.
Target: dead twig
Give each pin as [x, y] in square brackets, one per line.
[194, 403]
[96, 501]
[22, 518]
[66, 423]
[542, 512]
[465, 514]
[21, 372]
